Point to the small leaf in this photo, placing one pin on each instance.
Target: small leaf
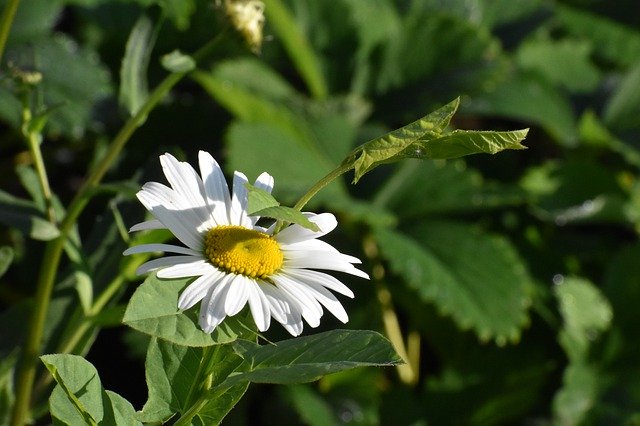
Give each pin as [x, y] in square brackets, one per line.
[6, 257]
[153, 309]
[578, 394]
[79, 381]
[177, 61]
[84, 287]
[118, 411]
[466, 142]
[133, 71]
[24, 216]
[586, 313]
[262, 204]
[305, 359]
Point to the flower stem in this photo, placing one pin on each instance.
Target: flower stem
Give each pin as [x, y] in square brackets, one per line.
[335, 173]
[53, 252]
[201, 384]
[8, 14]
[34, 139]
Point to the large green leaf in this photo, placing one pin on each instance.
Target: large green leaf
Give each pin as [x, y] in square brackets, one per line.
[586, 314]
[172, 371]
[153, 309]
[478, 279]
[79, 397]
[305, 359]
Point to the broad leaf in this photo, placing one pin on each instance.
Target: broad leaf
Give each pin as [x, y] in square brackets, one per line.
[478, 279]
[153, 309]
[262, 204]
[305, 359]
[79, 397]
[133, 71]
[171, 378]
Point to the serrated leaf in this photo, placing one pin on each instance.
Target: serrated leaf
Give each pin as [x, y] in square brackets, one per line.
[79, 382]
[171, 373]
[133, 71]
[428, 138]
[262, 204]
[477, 279]
[305, 359]
[177, 61]
[585, 312]
[153, 309]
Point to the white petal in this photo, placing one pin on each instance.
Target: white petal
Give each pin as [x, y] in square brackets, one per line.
[259, 305]
[238, 207]
[183, 179]
[212, 308]
[309, 307]
[199, 267]
[296, 233]
[163, 262]
[265, 182]
[183, 224]
[237, 295]
[320, 278]
[328, 300]
[198, 289]
[277, 304]
[148, 224]
[322, 260]
[166, 248]
[215, 187]
[311, 245]
[293, 323]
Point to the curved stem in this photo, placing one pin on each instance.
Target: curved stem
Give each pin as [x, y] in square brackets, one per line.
[335, 173]
[53, 252]
[33, 140]
[5, 23]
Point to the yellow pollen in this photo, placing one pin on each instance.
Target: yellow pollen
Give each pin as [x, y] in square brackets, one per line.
[243, 251]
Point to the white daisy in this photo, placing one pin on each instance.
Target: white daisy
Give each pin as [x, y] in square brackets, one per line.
[236, 261]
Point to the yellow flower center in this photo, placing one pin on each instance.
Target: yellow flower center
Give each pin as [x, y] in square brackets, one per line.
[243, 251]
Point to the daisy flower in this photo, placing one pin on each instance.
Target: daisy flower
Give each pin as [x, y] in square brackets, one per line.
[236, 261]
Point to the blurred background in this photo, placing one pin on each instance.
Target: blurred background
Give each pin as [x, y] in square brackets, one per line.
[514, 279]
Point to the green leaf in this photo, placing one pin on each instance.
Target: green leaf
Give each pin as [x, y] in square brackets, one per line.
[171, 372]
[179, 12]
[177, 61]
[6, 257]
[153, 309]
[621, 111]
[305, 359]
[311, 407]
[477, 279]
[297, 46]
[34, 21]
[586, 313]
[72, 76]
[7, 393]
[77, 380]
[577, 396]
[79, 397]
[262, 204]
[255, 76]
[135, 63]
[428, 138]
[24, 216]
[564, 62]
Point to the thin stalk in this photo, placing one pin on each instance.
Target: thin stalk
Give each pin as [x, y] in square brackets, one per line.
[5, 23]
[53, 252]
[335, 173]
[33, 141]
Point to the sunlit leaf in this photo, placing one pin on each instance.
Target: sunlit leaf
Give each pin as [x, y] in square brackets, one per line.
[133, 71]
[153, 309]
[305, 359]
[262, 204]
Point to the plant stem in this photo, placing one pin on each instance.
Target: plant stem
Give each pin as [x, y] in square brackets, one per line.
[5, 23]
[33, 140]
[202, 382]
[335, 173]
[26, 373]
